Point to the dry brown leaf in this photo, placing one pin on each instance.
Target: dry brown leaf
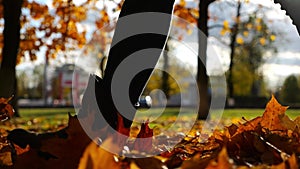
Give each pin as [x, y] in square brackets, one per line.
[223, 161]
[198, 161]
[144, 140]
[20, 150]
[291, 163]
[6, 110]
[95, 157]
[274, 117]
[6, 159]
[148, 163]
[248, 126]
[60, 150]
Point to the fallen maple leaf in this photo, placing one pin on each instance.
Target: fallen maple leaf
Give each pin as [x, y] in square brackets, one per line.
[20, 150]
[61, 149]
[261, 142]
[96, 157]
[223, 161]
[274, 117]
[143, 142]
[6, 110]
[6, 159]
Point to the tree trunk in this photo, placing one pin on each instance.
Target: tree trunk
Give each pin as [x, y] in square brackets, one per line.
[165, 76]
[202, 77]
[11, 33]
[232, 53]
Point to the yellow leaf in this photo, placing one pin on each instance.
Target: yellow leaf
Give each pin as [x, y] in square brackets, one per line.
[92, 154]
[223, 161]
[246, 33]
[226, 24]
[195, 12]
[223, 32]
[189, 31]
[258, 20]
[240, 41]
[262, 41]
[134, 166]
[249, 26]
[258, 27]
[273, 37]
[182, 3]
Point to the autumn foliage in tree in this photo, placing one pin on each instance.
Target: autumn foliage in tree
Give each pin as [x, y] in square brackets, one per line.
[58, 27]
[41, 29]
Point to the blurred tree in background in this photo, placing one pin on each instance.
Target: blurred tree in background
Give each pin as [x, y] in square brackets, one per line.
[289, 93]
[249, 39]
[31, 28]
[30, 82]
[60, 26]
[174, 71]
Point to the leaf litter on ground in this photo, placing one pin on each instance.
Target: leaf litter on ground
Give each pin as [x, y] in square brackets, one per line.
[268, 141]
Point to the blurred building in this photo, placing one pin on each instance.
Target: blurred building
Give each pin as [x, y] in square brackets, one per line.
[68, 85]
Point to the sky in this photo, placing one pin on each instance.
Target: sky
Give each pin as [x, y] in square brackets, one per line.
[277, 67]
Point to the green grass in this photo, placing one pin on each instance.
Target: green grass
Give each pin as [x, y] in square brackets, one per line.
[252, 113]
[50, 119]
[40, 119]
[227, 113]
[36, 112]
[53, 117]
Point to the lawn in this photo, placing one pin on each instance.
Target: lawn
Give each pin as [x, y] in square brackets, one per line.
[37, 112]
[39, 119]
[48, 119]
[61, 113]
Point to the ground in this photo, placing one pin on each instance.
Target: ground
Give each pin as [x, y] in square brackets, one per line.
[189, 144]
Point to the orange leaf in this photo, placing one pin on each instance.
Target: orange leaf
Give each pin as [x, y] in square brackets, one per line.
[20, 150]
[95, 157]
[273, 119]
[182, 3]
[6, 110]
[222, 163]
[273, 116]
